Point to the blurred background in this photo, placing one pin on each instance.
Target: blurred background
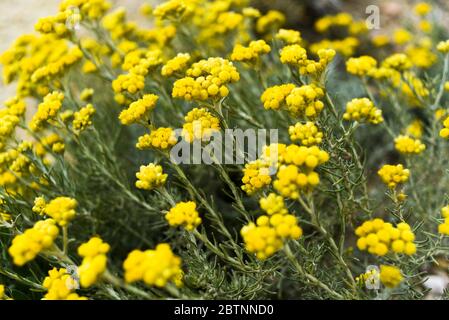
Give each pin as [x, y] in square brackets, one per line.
[19, 16]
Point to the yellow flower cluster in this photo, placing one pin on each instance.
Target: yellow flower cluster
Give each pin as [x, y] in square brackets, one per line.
[51, 142]
[402, 36]
[294, 55]
[407, 145]
[139, 110]
[341, 20]
[256, 175]
[443, 46]
[15, 106]
[54, 24]
[8, 124]
[61, 209]
[273, 204]
[26, 246]
[39, 205]
[58, 66]
[397, 61]
[250, 53]
[83, 118]
[422, 8]
[361, 66]
[161, 138]
[92, 9]
[150, 177]
[130, 82]
[2, 292]
[60, 286]
[184, 214]
[289, 36]
[304, 101]
[206, 79]
[307, 133]
[94, 261]
[177, 64]
[297, 173]
[415, 129]
[444, 227]
[274, 97]
[444, 133]
[267, 235]
[363, 110]
[345, 47]
[392, 175]
[199, 125]
[390, 276]
[47, 110]
[171, 9]
[270, 21]
[155, 267]
[379, 237]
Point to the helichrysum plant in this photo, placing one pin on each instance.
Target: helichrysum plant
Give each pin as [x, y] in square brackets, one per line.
[93, 206]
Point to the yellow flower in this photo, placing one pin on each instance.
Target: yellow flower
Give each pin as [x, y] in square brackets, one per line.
[363, 110]
[184, 214]
[273, 204]
[171, 9]
[61, 209]
[139, 110]
[443, 228]
[444, 133]
[380, 40]
[402, 36]
[94, 261]
[270, 21]
[161, 138]
[397, 61]
[177, 64]
[443, 46]
[150, 177]
[267, 236]
[155, 267]
[60, 286]
[274, 97]
[256, 175]
[304, 101]
[425, 26]
[39, 205]
[47, 110]
[289, 36]
[407, 145]
[26, 246]
[361, 66]
[83, 118]
[392, 175]
[415, 129]
[250, 53]
[379, 238]
[293, 54]
[199, 125]
[306, 134]
[131, 83]
[422, 8]
[390, 276]
[206, 79]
